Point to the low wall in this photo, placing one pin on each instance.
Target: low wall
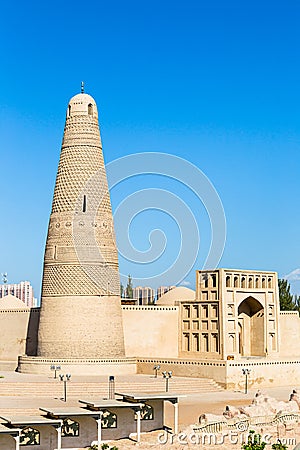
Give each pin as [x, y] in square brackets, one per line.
[39, 365]
[263, 372]
[185, 368]
[18, 335]
[289, 327]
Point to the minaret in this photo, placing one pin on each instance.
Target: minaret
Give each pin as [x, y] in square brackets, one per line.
[81, 313]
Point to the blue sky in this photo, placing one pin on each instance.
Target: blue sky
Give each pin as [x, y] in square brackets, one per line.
[215, 84]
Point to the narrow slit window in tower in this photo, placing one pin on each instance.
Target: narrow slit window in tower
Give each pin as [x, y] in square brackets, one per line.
[84, 204]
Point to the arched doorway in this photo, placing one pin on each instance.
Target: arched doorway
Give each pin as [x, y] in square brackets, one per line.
[251, 328]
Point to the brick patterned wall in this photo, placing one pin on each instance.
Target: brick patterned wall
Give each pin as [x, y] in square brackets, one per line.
[81, 260]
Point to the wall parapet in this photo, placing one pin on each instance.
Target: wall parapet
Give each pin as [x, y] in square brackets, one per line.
[287, 313]
[181, 362]
[38, 359]
[149, 308]
[264, 363]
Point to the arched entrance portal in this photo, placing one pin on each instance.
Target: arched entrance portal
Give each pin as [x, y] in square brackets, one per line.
[251, 328]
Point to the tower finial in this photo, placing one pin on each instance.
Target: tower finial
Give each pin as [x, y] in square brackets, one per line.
[82, 87]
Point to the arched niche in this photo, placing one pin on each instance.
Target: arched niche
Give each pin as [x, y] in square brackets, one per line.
[228, 281]
[251, 327]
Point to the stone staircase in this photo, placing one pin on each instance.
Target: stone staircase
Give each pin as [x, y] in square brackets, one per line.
[81, 389]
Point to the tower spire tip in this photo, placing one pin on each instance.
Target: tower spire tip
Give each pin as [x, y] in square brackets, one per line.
[82, 87]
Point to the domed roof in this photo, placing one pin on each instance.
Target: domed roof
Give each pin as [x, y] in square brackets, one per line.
[12, 302]
[82, 104]
[178, 293]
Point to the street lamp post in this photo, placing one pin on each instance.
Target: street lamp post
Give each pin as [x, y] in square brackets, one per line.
[156, 369]
[167, 376]
[246, 372]
[65, 380]
[55, 368]
[111, 387]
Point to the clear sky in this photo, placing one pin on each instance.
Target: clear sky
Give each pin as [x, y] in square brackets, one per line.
[215, 83]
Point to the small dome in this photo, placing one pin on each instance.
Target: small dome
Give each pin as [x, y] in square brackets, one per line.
[12, 302]
[178, 293]
[82, 104]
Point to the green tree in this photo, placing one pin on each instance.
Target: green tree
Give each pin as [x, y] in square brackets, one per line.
[286, 299]
[297, 302]
[129, 288]
[121, 290]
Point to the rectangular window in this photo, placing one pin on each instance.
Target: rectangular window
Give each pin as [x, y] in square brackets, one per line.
[195, 311]
[195, 324]
[196, 346]
[186, 311]
[186, 342]
[205, 344]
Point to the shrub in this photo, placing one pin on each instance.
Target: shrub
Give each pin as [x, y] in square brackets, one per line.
[254, 442]
[279, 446]
[103, 447]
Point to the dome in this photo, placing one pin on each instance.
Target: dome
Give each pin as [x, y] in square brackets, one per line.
[178, 293]
[82, 104]
[12, 302]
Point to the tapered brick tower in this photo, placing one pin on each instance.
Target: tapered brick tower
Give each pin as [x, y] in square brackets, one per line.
[81, 309]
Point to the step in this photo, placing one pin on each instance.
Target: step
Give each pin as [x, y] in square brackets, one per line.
[53, 388]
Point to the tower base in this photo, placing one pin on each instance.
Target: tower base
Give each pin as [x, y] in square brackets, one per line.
[81, 327]
[117, 366]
